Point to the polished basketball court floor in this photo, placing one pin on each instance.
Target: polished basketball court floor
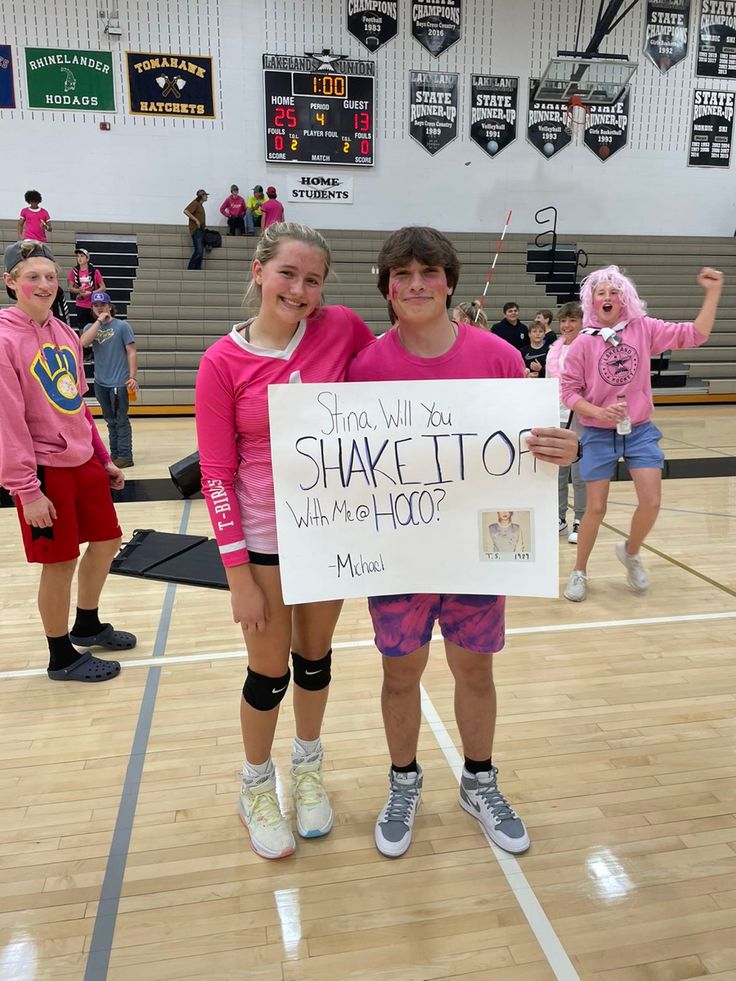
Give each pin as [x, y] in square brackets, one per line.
[122, 856]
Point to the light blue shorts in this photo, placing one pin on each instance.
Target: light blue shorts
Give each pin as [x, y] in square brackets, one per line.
[603, 448]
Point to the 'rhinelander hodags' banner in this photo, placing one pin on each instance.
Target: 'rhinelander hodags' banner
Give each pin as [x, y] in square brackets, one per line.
[414, 487]
[166, 84]
[69, 80]
[373, 22]
[666, 32]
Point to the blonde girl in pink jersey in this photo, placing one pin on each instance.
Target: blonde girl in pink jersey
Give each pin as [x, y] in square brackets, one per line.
[291, 339]
[609, 359]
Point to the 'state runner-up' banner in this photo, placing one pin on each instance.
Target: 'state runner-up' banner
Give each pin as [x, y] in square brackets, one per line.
[717, 39]
[712, 129]
[494, 103]
[416, 486]
[166, 84]
[7, 87]
[436, 25]
[75, 81]
[666, 32]
[372, 22]
[607, 128]
[547, 124]
[433, 109]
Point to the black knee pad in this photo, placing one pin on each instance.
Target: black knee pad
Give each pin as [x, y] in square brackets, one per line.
[264, 693]
[312, 675]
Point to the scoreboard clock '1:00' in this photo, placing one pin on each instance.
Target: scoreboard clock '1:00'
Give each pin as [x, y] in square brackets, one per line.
[319, 118]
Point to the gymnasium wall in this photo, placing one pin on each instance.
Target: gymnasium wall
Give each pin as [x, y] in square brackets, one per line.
[146, 169]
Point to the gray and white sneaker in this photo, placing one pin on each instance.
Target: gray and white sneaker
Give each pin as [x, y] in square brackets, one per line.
[636, 575]
[573, 536]
[577, 586]
[480, 796]
[394, 823]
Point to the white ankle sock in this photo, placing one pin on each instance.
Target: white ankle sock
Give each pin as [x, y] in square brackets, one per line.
[305, 747]
[252, 771]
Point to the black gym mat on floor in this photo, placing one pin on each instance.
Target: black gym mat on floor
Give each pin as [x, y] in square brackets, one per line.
[190, 560]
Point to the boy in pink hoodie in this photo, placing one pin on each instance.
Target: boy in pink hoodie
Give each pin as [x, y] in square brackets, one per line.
[606, 383]
[54, 463]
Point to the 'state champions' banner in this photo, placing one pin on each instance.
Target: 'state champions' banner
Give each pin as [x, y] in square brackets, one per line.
[7, 88]
[666, 32]
[493, 111]
[607, 128]
[433, 109]
[547, 124]
[373, 22]
[170, 85]
[712, 129]
[417, 486]
[717, 39]
[78, 81]
[436, 25]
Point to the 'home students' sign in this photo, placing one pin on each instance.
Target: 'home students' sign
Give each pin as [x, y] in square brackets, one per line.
[415, 486]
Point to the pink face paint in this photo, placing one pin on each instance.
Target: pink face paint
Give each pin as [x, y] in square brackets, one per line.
[27, 290]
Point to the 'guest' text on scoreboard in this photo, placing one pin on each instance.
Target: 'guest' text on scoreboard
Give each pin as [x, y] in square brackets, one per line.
[319, 114]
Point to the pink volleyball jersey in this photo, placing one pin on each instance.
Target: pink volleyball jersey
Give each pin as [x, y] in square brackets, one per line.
[231, 405]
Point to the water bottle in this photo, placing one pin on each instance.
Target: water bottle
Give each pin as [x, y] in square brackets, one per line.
[623, 426]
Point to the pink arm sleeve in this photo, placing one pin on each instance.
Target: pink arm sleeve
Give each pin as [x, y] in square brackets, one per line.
[218, 457]
[100, 450]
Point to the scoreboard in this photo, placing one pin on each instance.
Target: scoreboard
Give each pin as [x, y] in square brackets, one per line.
[318, 117]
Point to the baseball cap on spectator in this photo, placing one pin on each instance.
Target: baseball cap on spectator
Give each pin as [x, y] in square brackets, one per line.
[271, 190]
[100, 297]
[81, 252]
[258, 189]
[27, 249]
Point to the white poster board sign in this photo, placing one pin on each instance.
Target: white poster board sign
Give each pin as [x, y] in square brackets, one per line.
[415, 486]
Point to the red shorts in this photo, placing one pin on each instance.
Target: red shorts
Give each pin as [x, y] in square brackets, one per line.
[84, 512]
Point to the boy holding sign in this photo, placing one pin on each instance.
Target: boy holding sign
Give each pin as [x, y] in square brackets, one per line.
[418, 272]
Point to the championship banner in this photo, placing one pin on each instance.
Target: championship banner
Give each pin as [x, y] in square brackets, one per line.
[373, 22]
[666, 32]
[712, 128]
[7, 86]
[414, 486]
[170, 85]
[436, 25]
[493, 110]
[433, 109]
[717, 39]
[320, 189]
[607, 127]
[67, 80]
[547, 124]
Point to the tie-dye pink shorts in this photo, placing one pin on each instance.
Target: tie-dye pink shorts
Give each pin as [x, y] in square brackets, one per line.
[404, 623]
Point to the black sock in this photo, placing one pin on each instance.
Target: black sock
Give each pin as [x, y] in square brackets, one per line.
[87, 623]
[409, 768]
[476, 766]
[62, 652]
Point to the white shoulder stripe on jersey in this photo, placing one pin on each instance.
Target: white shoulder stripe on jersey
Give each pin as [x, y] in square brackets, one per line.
[236, 546]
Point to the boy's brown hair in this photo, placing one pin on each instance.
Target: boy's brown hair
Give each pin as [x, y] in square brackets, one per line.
[422, 243]
[570, 309]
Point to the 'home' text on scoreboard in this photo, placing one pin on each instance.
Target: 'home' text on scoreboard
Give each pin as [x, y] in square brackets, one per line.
[318, 116]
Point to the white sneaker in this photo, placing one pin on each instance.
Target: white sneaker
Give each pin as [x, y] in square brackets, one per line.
[577, 586]
[480, 797]
[562, 526]
[573, 536]
[312, 805]
[395, 822]
[636, 575]
[270, 834]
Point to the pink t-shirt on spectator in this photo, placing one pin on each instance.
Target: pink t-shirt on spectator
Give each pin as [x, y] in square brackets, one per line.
[231, 407]
[233, 207]
[33, 227]
[86, 283]
[272, 211]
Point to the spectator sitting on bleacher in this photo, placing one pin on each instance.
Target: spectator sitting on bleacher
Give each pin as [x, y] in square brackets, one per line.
[511, 329]
[116, 370]
[254, 215]
[234, 209]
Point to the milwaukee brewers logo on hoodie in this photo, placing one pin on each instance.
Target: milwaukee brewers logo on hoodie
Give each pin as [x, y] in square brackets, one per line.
[55, 369]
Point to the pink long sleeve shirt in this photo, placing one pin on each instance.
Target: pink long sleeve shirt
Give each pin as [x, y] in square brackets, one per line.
[231, 404]
[598, 372]
[43, 418]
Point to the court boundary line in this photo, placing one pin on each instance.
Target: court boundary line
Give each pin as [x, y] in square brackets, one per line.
[358, 644]
[529, 904]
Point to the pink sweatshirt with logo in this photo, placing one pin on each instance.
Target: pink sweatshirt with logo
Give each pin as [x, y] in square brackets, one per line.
[44, 420]
[598, 371]
[233, 431]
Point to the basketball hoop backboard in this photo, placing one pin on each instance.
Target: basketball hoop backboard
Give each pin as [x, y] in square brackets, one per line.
[594, 81]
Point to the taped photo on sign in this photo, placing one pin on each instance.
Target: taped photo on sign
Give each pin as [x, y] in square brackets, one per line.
[506, 535]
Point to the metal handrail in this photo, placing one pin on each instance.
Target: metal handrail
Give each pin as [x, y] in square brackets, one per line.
[548, 231]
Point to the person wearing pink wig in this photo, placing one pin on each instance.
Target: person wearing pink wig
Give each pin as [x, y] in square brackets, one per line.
[609, 359]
